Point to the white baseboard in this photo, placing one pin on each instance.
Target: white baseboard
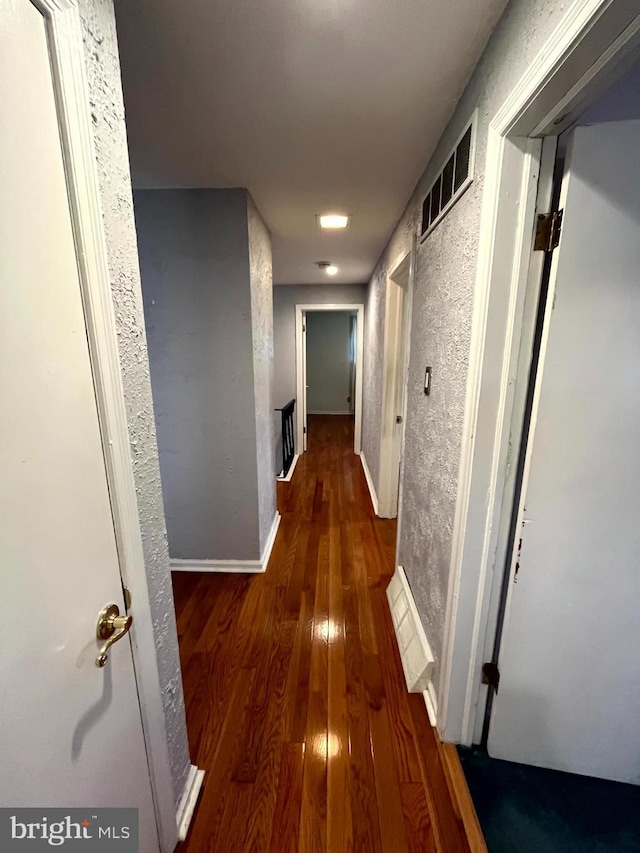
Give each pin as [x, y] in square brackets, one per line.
[243, 567]
[287, 479]
[372, 489]
[415, 652]
[251, 567]
[268, 548]
[431, 701]
[188, 801]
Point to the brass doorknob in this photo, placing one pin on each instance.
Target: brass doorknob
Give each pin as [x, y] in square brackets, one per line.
[110, 627]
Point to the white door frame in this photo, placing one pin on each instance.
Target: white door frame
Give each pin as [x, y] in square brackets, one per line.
[397, 334]
[591, 41]
[301, 369]
[67, 60]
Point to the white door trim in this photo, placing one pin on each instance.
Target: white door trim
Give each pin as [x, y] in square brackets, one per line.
[409, 296]
[532, 287]
[67, 60]
[301, 310]
[576, 61]
[394, 370]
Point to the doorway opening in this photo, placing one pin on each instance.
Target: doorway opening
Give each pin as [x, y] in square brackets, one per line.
[329, 359]
[331, 362]
[574, 505]
[561, 631]
[582, 57]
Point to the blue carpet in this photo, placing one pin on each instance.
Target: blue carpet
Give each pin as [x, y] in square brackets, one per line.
[528, 810]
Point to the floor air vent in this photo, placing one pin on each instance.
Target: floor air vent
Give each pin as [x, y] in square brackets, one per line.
[417, 659]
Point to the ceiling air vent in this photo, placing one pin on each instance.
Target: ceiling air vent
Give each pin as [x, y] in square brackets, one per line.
[453, 180]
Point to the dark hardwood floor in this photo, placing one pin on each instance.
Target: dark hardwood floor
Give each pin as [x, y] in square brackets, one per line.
[296, 703]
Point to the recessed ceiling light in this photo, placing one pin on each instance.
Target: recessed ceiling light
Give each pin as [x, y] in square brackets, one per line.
[333, 220]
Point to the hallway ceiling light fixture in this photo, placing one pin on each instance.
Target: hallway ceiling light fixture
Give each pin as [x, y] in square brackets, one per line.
[328, 267]
[333, 221]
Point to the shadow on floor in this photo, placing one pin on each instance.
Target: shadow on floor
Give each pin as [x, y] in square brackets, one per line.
[530, 810]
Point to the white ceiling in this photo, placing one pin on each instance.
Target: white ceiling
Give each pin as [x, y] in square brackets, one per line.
[314, 105]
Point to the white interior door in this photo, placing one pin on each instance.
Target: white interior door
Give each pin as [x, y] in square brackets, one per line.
[305, 425]
[353, 351]
[399, 384]
[569, 695]
[71, 733]
[394, 388]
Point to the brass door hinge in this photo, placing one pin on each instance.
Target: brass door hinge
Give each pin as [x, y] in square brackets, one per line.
[548, 229]
[491, 675]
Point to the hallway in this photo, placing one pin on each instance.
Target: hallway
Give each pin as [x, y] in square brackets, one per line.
[296, 704]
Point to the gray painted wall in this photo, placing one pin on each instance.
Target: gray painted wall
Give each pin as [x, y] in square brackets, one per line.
[328, 362]
[109, 134]
[441, 323]
[195, 266]
[261, 280]
[285, 299]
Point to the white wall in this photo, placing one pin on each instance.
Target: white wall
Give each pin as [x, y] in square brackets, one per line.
[328, 362]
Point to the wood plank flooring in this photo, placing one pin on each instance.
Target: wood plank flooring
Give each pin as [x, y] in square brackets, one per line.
[296, 703]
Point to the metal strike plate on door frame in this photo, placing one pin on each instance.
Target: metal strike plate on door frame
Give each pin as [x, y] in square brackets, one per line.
[110, 627]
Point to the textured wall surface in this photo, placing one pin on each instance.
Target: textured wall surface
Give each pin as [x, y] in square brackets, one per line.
[441, 323]
[194, 260]
[107, 111]
[261, 278]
